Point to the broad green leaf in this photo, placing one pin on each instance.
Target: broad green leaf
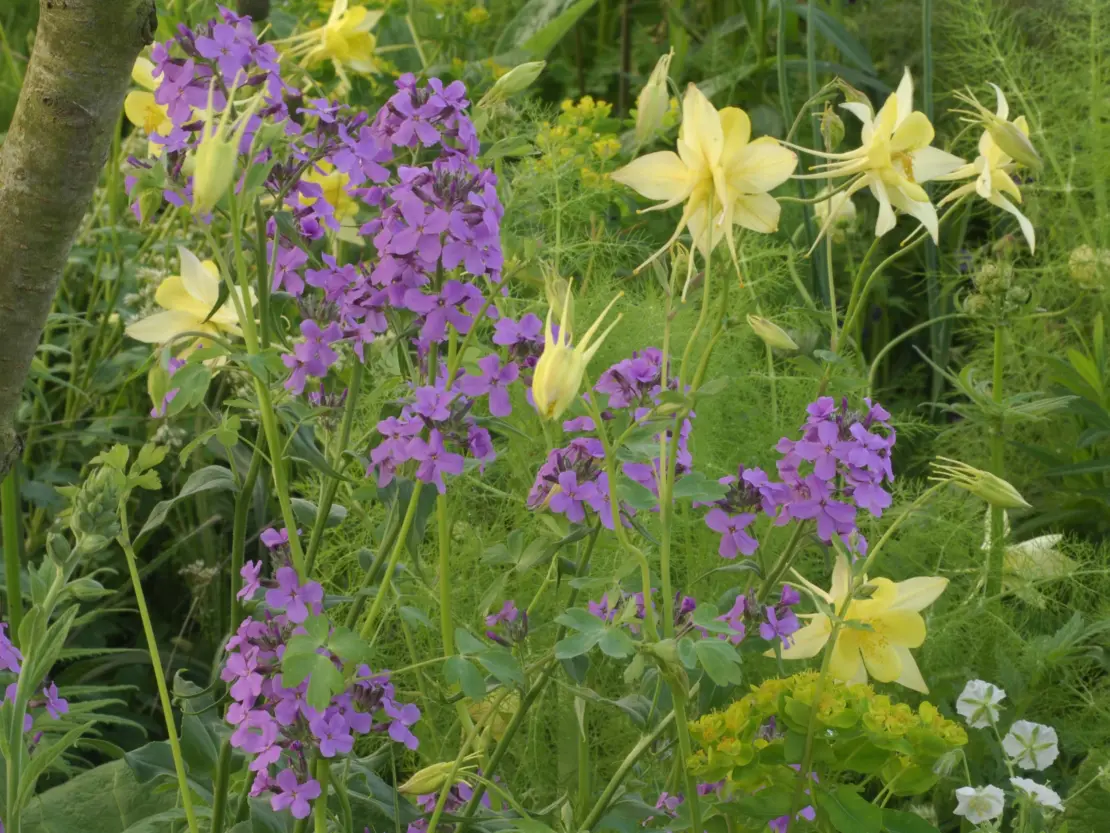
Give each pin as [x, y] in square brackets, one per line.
[580, 620]
[462, 672]
[576, 645]
[306, 510]
[899, 821]
[616, 643]
[720, 661]
[348, 646]
[468, 643]
[540, 25]
[502, 665]
[635, 495]
[210, 478]
[198, 747]
[850, 812]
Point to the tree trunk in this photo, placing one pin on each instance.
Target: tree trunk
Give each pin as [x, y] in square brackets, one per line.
[50, 162]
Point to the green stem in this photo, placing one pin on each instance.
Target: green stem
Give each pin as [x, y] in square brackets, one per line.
[686, 751]
[10, 509]
[219, 792]
[331, 482]
[239, 530]
[782, 565]
[994, 565]
[320, 807]
[443, 533]
[637, 751]
[159, 676]
[583, 764]
[394, 556]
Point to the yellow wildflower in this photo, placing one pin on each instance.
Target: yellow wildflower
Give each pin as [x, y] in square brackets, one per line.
[993, 167]
[894, 159]
[721, 176]
[345, 40]
[142, 110]
[561, 367]
[893, 617]
[186, 301]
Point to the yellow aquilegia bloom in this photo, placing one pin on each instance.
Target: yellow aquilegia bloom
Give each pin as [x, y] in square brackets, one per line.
[993, 167]
[893, 161]
[895, 625]
[345, 40]
[334, 184]
[186, 301]
[559, 371]
[142, 110]
[719, 173]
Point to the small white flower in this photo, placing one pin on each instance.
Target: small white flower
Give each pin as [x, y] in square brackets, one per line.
[1040, 794]
[978, 703]
[979, 804]
[1031, 745]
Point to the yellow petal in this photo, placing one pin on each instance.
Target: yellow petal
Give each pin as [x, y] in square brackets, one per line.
[841, 581]
[764, 164]
[861, 111]
[915, 131]
[809, 640]
[1002, 108]
[929, 163]
[900, 627]
[657, 176]
[923, 211]
[162, 326]
[143, 74]
[737, 129]
[916, 594]
[881, 659]
[137, 105]
[904, 97]
[911, 674]
[201, 280]
[1023, 221]
[701, 127]
[886, 219]
[172, 295]
[758, 212]
[845, 663]
[1002, 182]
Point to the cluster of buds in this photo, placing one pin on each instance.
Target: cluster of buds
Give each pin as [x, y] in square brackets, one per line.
[996, 291]
[94, 515]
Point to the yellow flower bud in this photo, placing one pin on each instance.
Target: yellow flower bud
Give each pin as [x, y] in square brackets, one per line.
[654, 101]
[771, 333]
[217, 154]
[990, 487]
[516, 80]
[561, 367]
[430, 779]
[1008, 135]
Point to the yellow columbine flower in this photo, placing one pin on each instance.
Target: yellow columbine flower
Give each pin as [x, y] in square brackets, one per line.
[559, 371]
[720, 174]
[142, 110]
[993, 166]
[345, 40]
[334, 184]
[894, 159]
[186, 301]
[894, 621]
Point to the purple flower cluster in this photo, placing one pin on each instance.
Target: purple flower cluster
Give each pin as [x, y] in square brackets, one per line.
[835, 469]
[507, 626]
[275, 725]
[11, 660]
[775, 622]
[436, 430]
[573, 479]
[457, 797]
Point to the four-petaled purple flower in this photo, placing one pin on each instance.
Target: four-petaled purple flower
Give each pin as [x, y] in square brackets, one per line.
[493, 380]
[733, 528]
[294, 796]
[434, 460]
[291, 596]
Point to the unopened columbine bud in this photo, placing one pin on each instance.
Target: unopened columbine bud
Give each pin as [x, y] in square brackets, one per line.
[654, 101]
[851, 94]
[1088, 267]
[516, 80]
[559, 371]
[428, 780]
[990, 487]
[832, 129]
[216, 156]
[1011, 136]
[771, 333]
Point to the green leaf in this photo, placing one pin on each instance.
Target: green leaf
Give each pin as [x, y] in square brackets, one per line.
[616, 643]
[305, 511]
[540, 25]
[197, 745]
[833, 31]
[720, 661]
[468, 643]
[635, 495]
[899, 821]
[510, 146]
[697, 487]
[106, 799]
[210, 478]
[850, 812]
[462, 672]
[578, 619]
[348, 645]
[502, 665]
[576, 645]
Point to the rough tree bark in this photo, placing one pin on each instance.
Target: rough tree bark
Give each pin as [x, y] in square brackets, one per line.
[50, 163]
